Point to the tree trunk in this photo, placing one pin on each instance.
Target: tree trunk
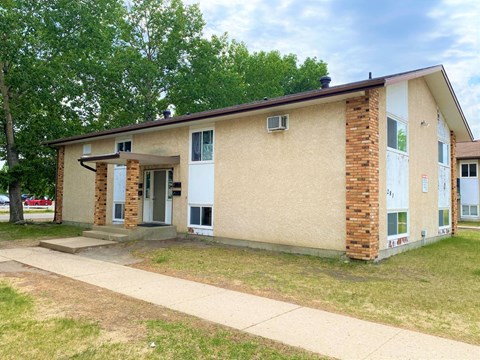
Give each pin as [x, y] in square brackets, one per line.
[14, 186]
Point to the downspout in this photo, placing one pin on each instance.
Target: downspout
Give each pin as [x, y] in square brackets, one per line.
[87, 167]
[56, 187]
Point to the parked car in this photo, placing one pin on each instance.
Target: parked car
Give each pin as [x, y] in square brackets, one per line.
[4, 200]
[41, 201]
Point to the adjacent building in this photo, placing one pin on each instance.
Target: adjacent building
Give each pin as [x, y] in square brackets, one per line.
[468, 156]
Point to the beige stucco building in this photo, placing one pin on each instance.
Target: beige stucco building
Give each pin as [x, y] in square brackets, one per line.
[367, 169]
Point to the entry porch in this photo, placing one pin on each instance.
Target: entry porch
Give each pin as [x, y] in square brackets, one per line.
[134, 163]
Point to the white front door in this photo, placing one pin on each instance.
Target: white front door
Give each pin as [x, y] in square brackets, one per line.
[157, 201]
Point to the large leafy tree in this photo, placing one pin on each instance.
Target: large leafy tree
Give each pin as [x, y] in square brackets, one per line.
[68, 67]
[222, 73]
[161, 35]
[54, 55]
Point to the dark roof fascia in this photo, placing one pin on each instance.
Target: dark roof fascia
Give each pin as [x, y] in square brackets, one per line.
[450, 88]
[232, 110]
[427, 71]
[100, 157]
[468, 157]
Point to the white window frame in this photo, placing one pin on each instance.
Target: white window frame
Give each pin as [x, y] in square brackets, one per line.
[200, 226]
[447, 164]
[87, 149]
[396, 236]
[190, 143]
[449, 218]
[469, 211]
[468, 163]
[123, 140]
[398, 120]
[123, 213]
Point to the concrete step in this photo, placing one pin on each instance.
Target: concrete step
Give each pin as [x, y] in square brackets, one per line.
[117, 229]
[72, 245]
[105, 235]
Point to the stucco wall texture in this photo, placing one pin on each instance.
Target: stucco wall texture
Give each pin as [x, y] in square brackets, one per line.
[286, 187]
[283, 188]
[423, 160]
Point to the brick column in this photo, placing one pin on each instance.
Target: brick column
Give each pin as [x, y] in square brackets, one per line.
[59, 185]
[100, 214]
[362, 176]
[453, 181]
[131, 194]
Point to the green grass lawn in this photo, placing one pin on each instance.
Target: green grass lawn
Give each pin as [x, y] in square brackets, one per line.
[434, 289]
[469, 223]
[37, 230]
[24, 336]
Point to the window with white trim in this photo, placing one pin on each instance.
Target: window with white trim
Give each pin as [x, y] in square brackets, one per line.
[397, 223]
[443, 153]
[470, 210]
[443, 217]
[201, 216]
[469, 170]
[87, 149]
[119, 211]
[124, 146]
[202, 146]
[396, 134]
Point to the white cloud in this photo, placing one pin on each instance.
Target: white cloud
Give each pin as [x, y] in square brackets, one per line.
[353, 39]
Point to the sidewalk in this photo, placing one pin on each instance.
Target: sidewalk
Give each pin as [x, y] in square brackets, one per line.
[314, 330]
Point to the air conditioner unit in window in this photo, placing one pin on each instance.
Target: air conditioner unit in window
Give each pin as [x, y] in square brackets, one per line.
[277, 123]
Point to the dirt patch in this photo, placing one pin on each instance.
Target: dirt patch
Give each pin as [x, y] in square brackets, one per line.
[18, 244]
[121, 317]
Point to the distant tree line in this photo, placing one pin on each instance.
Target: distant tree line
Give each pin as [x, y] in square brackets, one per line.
[70, 67]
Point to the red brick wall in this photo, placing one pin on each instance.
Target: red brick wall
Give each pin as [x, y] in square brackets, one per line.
[453, 180]
[59, 184]
[362, 176]
[131, 194]
[100, 214]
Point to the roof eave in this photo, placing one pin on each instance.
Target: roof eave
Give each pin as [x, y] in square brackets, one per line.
[233, 110]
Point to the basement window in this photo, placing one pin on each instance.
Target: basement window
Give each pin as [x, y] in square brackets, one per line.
[119, 211]
[201, 216]
[443, 217]
[397, 223]
[470, 210]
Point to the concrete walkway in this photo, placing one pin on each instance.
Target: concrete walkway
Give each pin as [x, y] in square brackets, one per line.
[315, 330]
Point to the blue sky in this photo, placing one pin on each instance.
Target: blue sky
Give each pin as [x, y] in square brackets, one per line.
[358, 36]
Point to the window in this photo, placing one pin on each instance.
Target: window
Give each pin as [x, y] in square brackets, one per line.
[396, 135]
[202, 145]
[87, 149]
[469, 170]
[442, 153]
[124, 146]
[201, 215]
[444, 217]
[397, 223]
[469, 210]
[119, 211]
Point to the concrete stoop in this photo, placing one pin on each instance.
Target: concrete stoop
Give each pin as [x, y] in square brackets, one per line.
[75, 244]
[118, 233]
[109, 235]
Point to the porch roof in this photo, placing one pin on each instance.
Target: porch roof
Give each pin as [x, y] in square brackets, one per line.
[121, 157]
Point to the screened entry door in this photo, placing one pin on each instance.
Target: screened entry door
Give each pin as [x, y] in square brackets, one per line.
[158, 196]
